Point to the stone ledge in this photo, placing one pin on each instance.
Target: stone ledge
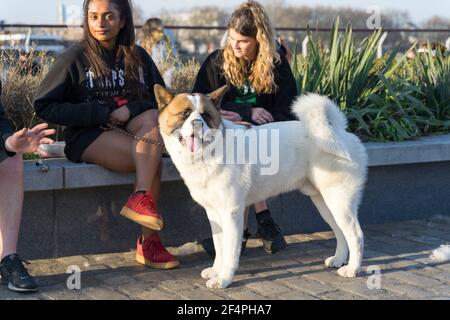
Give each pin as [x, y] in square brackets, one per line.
[427, 149]
[64, 174]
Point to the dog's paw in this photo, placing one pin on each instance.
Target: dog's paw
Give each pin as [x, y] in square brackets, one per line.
[209, 273]
[348, 272]
[334, 262]
[218, 283]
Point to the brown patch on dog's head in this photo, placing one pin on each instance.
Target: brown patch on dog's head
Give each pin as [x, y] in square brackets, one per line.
[169, 118]
[175, 110]
[163, 96]
[209, 112]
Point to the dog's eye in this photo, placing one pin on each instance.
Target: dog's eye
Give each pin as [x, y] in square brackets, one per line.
[205, 116]
[185, 113]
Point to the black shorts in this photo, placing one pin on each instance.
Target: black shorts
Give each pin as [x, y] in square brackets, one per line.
[78, 140]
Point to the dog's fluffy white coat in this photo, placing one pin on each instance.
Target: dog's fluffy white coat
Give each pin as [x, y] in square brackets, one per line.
[318, 157]
[441, 254]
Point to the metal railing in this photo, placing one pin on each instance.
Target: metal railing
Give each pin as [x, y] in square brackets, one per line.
[305, 40]
[185, 27]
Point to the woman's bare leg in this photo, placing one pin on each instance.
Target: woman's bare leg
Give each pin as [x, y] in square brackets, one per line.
[260, 207]
[120, 153]
[147, 157]
[11, 203]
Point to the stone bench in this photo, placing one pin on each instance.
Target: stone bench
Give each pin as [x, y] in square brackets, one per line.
[72, 209]
[64, 174]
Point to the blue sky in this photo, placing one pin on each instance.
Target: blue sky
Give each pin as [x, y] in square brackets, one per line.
[45, 11]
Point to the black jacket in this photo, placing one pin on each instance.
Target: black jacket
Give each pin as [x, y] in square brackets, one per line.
[5, 132]
[211, 78]
[73, 96]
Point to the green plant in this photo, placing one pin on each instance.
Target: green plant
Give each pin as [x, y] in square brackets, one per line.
[385, 99]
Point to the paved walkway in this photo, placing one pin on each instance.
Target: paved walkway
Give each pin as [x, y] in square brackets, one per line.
[399, 251]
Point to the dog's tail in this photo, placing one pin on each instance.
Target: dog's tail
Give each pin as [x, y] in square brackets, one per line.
[324, 122]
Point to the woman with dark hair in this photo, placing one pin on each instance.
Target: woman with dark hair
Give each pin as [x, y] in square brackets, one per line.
[262, 90]
[102, 90]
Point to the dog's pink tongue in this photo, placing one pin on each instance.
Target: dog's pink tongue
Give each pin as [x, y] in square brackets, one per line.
[192, 144]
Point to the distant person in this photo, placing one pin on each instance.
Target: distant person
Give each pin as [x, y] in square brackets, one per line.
[161, 47]
[424, 47]
[154, 39]
[411, 55]
[434, 46]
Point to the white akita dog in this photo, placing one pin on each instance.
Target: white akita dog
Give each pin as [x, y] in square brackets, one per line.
[318, 156]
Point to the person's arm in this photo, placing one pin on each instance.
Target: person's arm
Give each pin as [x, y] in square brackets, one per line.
[28, 140]
[154, 77]
[287, 92]
[243, 109]
[51, 100]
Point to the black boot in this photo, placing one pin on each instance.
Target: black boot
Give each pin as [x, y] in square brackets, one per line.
[14, 274]
[208, 244]
[270, 233]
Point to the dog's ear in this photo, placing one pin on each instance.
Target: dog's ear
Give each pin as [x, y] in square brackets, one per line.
[163, 96]
[217, 96]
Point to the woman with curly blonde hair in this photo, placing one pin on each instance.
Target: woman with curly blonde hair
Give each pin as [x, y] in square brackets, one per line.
[262, 89]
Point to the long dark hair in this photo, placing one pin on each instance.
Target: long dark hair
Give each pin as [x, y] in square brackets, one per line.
[125, 45]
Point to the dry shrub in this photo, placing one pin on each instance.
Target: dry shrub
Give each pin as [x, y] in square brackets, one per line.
[179, 76]
[19, 85]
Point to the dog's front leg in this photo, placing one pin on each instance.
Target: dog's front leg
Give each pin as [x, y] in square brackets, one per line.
[216, 228]
[232, 230]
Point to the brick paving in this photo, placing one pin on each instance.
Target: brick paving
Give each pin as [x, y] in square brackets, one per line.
[400, 251]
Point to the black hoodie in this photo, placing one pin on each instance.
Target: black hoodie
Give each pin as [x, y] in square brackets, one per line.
[5, 131]
[72, 95]
[211, 77]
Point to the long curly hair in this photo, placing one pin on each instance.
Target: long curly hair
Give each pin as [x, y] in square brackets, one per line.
[251, 20]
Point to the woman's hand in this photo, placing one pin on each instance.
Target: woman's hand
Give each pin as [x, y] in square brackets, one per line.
[261, 116]
[28, 140]
[231, 116]
[120, 116]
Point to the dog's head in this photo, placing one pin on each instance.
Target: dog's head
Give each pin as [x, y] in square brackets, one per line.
[188, 117]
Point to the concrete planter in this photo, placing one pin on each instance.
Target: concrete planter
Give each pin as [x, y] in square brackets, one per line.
[72, 209]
